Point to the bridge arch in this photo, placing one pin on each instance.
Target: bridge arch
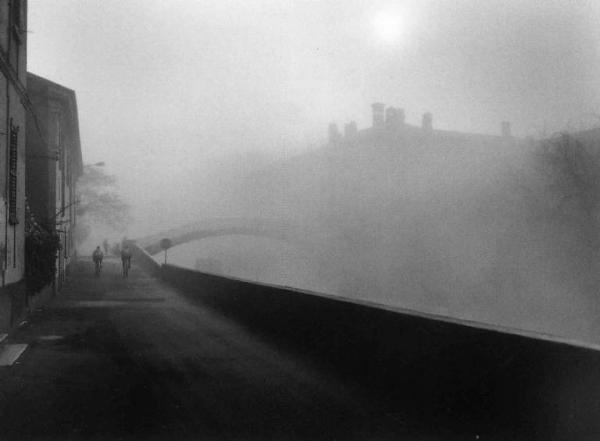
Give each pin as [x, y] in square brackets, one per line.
[274, 229]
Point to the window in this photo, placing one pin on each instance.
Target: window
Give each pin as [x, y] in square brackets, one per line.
[12, 174]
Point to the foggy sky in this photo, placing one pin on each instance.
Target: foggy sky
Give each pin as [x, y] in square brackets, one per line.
[181, 94]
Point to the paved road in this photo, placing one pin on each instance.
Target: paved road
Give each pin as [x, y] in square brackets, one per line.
[115, 358]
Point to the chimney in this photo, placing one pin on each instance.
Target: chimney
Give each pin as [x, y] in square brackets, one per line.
[394, 117]
[400, 115]
[334, 133]
[505, 127]
[378, 109]
[390, 116]
[427, 124]
[350, 130]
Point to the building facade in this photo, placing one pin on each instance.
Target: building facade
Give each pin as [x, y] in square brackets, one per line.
[13, 107]
[53, 163]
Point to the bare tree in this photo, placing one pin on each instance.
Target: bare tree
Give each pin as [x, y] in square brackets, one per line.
[573, 169]
[99, 202]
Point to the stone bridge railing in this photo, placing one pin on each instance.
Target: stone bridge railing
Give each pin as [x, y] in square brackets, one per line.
[276, 229]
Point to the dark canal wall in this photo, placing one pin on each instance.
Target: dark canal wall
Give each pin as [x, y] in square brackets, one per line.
[144, 259]
[439, 372]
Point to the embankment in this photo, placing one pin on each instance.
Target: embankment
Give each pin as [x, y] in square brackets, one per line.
[458, 373]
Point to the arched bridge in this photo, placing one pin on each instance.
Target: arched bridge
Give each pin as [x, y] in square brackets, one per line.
[271, 228]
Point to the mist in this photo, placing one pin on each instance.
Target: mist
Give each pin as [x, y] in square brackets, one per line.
[220, 109]
[473, 228]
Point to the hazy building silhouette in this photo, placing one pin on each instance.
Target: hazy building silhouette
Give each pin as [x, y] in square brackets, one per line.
[378, 114]
[394, 117]
[334, 134]
[54, 162]
[350, 130]
[13, 106]
[427, 123]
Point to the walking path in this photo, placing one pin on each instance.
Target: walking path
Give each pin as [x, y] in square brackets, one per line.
[114, 358]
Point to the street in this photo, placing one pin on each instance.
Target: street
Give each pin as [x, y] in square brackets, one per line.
[114, 358]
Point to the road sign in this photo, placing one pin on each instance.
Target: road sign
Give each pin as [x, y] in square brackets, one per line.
[165, 244]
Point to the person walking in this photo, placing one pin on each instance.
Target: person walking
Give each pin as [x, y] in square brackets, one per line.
[126, 260]
[97, 256]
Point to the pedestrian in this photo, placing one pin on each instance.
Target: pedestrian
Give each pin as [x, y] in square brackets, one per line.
[97, 257]
[126, 260]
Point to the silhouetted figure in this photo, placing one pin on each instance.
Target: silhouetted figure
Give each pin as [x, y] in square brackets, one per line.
[105, 246]
[126, 260]
[97, 257]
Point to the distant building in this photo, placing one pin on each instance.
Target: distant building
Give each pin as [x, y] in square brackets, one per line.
[333, 133]
[427, 123]
[394, 117]
[13, 107]
[350, 130]
[53, 162]
[389, 128]
[378, 114]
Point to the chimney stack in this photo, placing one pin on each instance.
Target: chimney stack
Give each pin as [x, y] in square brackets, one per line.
[350, 130]
[506, 129]
[427, 124]
[401, 116]
[378, 109]
[334, 133]
[390, 116]
[394, 117]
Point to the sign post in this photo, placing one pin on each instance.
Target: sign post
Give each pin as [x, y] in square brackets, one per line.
[165, 244]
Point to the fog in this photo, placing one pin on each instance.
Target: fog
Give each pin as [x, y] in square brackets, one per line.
[209, 109]
[477, 229]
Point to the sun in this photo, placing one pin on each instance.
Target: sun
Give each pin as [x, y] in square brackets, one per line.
[388, 26]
